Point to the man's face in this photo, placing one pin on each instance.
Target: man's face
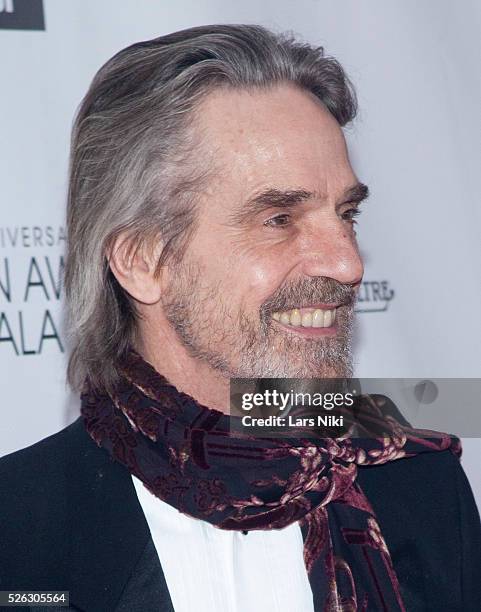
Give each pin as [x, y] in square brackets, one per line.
[268, 282]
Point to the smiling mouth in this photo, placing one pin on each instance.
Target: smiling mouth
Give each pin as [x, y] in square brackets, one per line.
[311, 317]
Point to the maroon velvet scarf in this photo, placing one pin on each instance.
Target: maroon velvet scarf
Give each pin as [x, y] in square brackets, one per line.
[187, 456]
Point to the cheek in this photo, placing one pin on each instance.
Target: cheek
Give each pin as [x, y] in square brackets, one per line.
[246, 275]
[263, 275]
[262, 279]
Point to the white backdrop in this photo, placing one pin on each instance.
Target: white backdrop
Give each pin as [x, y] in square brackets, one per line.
[415, 64]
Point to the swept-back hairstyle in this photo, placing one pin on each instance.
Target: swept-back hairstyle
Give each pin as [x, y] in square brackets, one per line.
[134, 168]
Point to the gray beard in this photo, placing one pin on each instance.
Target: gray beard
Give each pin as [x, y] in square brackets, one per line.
[243, 349]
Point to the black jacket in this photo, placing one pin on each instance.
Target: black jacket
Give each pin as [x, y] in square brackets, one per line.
[70, 520]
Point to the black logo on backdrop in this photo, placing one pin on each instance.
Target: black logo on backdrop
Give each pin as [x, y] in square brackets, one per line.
[374, 296]
[31, 290]
[21, 15]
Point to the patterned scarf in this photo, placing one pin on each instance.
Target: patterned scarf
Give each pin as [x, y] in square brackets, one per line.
[187, 456]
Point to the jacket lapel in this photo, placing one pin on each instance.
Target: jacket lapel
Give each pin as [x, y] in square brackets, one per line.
[107, 531]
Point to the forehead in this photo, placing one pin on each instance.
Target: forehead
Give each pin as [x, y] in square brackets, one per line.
[282, 136]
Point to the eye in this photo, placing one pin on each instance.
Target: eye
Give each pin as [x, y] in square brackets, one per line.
[278, 220]
[349, 215]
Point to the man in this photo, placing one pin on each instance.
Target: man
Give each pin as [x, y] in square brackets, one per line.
[211, 235]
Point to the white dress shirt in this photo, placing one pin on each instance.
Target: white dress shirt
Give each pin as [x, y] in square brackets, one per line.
[212, 570]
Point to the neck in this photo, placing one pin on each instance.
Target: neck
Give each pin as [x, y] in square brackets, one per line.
[162, 349]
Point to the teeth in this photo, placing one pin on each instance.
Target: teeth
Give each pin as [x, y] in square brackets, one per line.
[295, 317]
[328, 318]
[285, 318]
[318, 318]
[312, 318]
[306, 320]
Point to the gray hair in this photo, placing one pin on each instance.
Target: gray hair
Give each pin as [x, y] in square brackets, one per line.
[132, 168]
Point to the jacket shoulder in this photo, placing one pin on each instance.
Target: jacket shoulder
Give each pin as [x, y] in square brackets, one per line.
[33, 485]
[39, 462]
[429, 518]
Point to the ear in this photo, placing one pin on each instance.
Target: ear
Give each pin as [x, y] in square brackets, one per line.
[134, 268]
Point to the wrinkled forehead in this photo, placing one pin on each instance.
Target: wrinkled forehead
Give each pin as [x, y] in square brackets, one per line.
[272, 136]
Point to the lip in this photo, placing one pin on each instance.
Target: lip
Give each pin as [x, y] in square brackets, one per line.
[321, 305]
[309, 332]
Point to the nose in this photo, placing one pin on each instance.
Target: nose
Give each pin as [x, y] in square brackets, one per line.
[331, 250]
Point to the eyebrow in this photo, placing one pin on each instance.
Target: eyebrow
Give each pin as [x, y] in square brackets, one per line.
[277, 198]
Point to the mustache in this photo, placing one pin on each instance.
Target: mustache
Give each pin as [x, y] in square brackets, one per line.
[310, 291]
